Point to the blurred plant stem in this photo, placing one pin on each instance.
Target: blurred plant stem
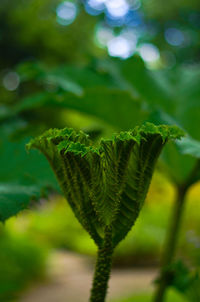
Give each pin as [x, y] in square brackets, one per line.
[102, 270]
[170, 245]
[172, 237]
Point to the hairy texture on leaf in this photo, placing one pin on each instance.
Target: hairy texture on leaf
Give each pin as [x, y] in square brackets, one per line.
[105, 186]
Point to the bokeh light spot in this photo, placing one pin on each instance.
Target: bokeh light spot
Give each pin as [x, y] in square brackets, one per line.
[66, 13]
[94, 7]
[103, 35]
[120, 47]
[96, 4]
[174, 36]
[117, 8]
[11, 81]
[133, 18]
[149, 52]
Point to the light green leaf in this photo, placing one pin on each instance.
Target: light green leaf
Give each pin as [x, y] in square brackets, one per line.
[189, 146]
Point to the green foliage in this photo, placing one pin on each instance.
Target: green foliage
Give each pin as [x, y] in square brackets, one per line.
[171, 98]
[189, 146]
[125, 95]
[185, 280]
[22, 261]
[109, 82]
[181, 277]
[106, 185]
[23, 177]
[146, 297]
[100, 102]
[178, 166]
[86, 89]
[49, 223]
[101, 89]
[37, 33]
[132, 75]
[65, 77]
[14, 198]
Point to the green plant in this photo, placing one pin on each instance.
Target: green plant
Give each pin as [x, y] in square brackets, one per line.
[171, 98]
[17, 269]
[146, 297]
[173, 233]
[19, 176]
[185, 280]
[159, 102]
[105, 185]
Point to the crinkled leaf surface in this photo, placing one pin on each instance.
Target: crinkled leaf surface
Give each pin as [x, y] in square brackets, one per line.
[105, 185]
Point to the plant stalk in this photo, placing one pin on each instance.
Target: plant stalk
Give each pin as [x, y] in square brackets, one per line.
[170, 245]
[102, 271]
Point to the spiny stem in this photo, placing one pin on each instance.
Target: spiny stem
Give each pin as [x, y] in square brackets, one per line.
[102, 270]
[170, 245]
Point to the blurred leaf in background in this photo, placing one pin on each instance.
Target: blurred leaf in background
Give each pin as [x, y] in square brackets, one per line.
[22, 177]
[56, 71]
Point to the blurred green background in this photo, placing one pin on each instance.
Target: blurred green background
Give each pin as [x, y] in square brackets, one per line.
[100, 66]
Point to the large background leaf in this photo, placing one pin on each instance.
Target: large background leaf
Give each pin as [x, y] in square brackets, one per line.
[23, 177]
[113, 106]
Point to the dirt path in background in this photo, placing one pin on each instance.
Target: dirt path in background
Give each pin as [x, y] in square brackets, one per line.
[70, 281]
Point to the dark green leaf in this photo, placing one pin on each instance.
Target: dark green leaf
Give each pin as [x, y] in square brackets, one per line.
[22, 176]
[15, 197]
[105, 186]
[115, 107]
